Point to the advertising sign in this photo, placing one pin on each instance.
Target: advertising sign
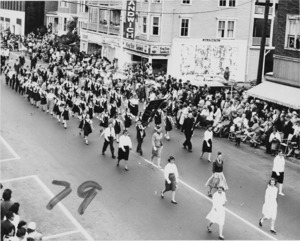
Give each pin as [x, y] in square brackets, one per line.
[129, 24]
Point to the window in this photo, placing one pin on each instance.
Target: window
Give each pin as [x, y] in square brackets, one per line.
[65, 24]
[93, 15]
[144, 25]
[184, 28]
[226, 29]
[64, 4]
[156, 1]
[227, 3]
[155, 25]
[292, 40]
[186, 1]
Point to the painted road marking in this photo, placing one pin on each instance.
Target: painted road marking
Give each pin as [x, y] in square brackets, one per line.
[207, 198]
[65, 210]
[11, 150]
[62, 207]
[60, 234]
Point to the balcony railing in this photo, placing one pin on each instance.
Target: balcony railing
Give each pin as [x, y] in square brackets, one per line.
[102, 28]
[257, 40]
[261, 9]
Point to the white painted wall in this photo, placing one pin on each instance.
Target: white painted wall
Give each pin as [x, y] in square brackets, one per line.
[13, 15]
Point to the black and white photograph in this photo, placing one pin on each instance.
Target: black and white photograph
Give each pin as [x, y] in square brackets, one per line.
[150, 120]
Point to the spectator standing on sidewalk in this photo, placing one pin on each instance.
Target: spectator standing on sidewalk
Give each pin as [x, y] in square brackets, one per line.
[217, 213]
[269, 210]
[278, 170]
[171, 178]
[6, 202]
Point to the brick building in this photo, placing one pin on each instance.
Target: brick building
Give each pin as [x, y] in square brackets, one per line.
[283, 86]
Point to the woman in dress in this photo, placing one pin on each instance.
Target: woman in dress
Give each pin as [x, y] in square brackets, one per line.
[168, 125]
[217, 178]
[85, 126]
[127, 116]
[171, 178]
[269, 210]
[217, 213]
[118, 126]
[65, 115]
[157, 145]
[125, 145]
[207, 143]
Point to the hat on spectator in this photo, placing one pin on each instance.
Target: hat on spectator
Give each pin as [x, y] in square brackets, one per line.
[295, 113]
[31, 225]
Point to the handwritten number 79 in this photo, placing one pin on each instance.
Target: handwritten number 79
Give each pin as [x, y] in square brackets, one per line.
[86, 190]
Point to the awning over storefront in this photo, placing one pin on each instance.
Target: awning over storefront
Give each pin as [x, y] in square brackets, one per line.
[277, 93]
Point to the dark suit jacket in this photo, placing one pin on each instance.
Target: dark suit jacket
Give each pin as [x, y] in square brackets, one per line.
[188, 125]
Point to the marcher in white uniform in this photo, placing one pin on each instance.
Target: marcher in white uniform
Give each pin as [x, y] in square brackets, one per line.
[217, 213]
[269, 210]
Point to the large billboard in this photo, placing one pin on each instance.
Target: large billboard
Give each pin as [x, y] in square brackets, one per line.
[129, 24]
[208, 58]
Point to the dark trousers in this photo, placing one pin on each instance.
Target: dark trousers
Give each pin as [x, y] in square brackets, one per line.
[139, 146]
[6, 79]
[188, 142]
[110, 143]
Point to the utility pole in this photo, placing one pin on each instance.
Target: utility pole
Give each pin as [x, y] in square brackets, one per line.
[262, 44]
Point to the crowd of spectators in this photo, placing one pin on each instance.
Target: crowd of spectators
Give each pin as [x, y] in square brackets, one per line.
[13, 228]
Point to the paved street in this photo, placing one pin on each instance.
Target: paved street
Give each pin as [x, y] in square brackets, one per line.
[129, 206]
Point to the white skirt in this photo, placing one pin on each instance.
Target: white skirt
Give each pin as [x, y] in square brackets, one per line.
[217, 216]
[269, 210]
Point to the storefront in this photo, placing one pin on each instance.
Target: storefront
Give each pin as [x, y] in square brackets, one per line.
[140, 53]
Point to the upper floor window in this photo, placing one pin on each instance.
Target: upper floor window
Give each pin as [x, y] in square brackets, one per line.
[292, 40]
[156, 1]
[227, 3]
[186, 2]
[226, 29]
[63, 4]
[65, 24]
[155, 25]
[144, 25]
[93, 15]
[184, 27]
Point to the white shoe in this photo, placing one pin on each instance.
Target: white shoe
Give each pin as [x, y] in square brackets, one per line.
[281, 194]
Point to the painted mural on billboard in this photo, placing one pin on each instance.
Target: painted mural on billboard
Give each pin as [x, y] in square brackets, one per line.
[209, 58]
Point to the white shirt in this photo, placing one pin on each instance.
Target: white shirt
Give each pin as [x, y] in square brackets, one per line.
[109, 131]
[272, 136]
[278, 165]
[219, 199]
[125, 141]
[170, 168]
[208, 135]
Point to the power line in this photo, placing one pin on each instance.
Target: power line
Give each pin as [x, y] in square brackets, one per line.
[161, 13]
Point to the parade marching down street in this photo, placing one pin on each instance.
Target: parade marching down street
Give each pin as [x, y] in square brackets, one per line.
[48, 107]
